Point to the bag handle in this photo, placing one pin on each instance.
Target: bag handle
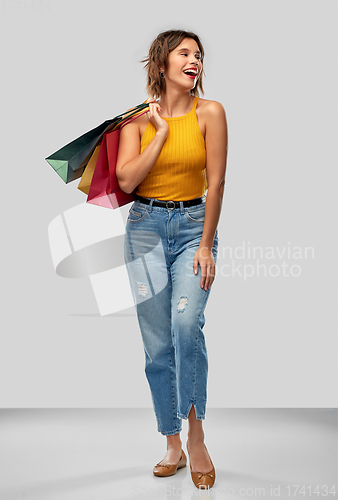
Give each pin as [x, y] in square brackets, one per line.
[132, 119]
[131, 112]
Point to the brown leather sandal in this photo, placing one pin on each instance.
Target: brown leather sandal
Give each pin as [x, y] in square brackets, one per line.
[161, 470]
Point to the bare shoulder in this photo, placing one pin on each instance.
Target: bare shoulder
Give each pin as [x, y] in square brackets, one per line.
[211, 116]
[210, 109]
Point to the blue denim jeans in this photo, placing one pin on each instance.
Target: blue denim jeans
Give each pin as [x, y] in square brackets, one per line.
[159, 248]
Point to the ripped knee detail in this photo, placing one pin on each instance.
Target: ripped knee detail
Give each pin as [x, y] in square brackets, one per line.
[142, 288]
[181, 304]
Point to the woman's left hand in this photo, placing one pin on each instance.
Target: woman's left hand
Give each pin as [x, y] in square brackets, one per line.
[204, 257]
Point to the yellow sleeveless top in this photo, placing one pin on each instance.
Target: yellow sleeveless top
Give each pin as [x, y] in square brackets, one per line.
[180, 170]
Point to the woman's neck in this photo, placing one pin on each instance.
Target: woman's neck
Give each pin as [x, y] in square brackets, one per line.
[175, 104]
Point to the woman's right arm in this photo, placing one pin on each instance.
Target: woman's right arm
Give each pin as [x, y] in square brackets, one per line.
[132, 166]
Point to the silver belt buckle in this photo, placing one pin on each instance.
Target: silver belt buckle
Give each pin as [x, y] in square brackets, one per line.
[170, 208]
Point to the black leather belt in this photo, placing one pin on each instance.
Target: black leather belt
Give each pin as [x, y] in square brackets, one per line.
[170, 204]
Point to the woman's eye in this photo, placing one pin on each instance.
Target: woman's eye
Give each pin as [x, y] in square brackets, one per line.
[197, 56]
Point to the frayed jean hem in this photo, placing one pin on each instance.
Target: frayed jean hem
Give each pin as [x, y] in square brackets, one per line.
[185, 417]
[170, 433]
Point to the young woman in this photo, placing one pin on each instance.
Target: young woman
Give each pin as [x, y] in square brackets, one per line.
[171, 156]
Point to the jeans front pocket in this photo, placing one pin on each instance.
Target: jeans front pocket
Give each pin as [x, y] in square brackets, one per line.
[196, 214]
[137, 213]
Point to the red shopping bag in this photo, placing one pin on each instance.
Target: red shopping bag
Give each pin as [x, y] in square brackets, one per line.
[104, 188]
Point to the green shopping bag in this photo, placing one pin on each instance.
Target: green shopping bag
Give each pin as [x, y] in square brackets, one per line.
[70, 161]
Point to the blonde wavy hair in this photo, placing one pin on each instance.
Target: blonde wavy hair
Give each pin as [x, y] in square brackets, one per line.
[158, 55]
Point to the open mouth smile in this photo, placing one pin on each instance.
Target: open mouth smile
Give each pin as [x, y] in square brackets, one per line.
[191, 73]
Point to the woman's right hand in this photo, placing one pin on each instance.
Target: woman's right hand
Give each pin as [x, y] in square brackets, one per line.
[160, 125]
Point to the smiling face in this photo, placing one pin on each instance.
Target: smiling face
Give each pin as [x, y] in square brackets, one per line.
[184, 65]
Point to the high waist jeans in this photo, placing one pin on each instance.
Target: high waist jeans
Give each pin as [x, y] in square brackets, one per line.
[159, 248]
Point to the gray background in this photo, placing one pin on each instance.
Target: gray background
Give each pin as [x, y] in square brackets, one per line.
[69, 65]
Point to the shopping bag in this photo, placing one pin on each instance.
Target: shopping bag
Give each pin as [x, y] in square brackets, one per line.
[87, 175]
[70, 161]
[104, 188]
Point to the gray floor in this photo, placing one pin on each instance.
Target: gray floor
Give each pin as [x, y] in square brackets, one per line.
[109, 453]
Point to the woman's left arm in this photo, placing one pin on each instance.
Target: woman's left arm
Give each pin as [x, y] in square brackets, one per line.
[216, 143]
